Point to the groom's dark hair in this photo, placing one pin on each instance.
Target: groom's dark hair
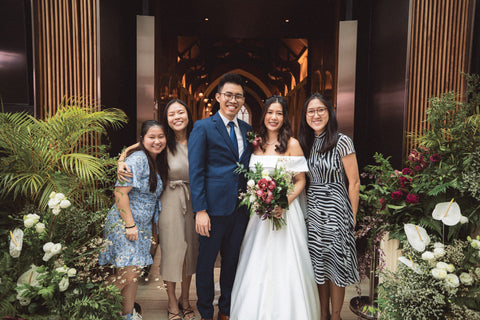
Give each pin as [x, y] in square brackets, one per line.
[231, 78]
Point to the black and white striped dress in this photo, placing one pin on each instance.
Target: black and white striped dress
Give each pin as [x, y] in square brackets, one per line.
[330, 219]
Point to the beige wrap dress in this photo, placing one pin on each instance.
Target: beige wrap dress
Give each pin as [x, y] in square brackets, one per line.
[176, 225]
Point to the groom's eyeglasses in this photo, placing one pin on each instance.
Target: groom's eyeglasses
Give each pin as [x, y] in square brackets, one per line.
[230, 96]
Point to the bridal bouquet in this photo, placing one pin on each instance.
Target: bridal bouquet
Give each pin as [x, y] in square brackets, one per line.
[266, 191]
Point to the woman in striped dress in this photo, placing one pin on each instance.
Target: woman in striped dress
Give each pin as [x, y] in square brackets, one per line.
[331, 207]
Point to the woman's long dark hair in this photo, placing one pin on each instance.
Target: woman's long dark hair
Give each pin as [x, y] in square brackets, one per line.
[170, 134]
[160, 164]
[306, 135]
[285, 132]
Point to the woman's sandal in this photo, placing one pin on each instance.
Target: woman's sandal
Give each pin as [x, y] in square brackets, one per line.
[188, 312]
[174, 316]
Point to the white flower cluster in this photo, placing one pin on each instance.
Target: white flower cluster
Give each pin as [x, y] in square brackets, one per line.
[66, 272]
[57, 202]
[475, 243]
[30, 220]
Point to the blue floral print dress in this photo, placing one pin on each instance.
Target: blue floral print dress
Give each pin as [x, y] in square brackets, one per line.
[119, 251]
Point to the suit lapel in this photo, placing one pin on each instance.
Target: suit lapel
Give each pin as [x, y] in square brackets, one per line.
[244, 129]
[222, 130]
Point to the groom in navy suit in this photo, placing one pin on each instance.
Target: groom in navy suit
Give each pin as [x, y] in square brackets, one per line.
[215, 146]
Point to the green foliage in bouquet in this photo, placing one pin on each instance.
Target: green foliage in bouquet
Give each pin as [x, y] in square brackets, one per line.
[38, 157]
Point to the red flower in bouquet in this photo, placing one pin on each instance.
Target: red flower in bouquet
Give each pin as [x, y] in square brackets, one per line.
[266, 191]
[255, 140]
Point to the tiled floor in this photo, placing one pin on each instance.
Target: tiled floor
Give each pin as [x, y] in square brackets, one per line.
[153, 299]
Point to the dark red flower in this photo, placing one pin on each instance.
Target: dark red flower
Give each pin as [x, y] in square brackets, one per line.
[412, 198]
[397, 195]
[407, 171]
[382, 202]
[435, 157]
[262, 183]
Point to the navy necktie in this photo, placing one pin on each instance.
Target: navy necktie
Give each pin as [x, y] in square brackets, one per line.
[233, 136]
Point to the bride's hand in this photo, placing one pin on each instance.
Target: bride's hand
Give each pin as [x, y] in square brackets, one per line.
[278, 212]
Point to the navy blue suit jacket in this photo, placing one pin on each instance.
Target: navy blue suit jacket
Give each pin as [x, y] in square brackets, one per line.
[212, 159]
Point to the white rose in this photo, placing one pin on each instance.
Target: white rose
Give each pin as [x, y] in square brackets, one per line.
[452, 280]
[40, 227]
[64, 204]
[251, 183]
[438, 252]
[56, 210]
[439, 273]
[438, 245]
[62, 270]
[477, 272]
[252, 198]
[463, 220]
[72, 272]
[63, 284]
[428, 255]
[466, 279]
[30, 219]
[53, 202]
[475, 244]
[450, 268]
[28, 223]
[60, 196]
[442, 265]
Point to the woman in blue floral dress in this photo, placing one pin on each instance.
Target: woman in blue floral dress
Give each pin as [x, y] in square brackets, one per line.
[128, 226]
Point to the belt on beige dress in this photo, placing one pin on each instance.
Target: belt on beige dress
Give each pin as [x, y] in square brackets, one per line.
[182, 184]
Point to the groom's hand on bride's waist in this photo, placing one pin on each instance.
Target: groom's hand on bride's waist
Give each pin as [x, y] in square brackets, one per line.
[202, 223]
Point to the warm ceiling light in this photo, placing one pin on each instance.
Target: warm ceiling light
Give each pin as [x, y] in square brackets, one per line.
[209, 104]
[205, 100]
[287, 20]
[206, 19]
[200, 94]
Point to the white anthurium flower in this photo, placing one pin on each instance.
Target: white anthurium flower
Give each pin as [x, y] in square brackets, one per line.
[251, 183]
[29, 277]
[63, 284]
[448, 212]
[463, 220]
[452, 280]
[466, 279]
[50, 250]
[439, 274]
[410, 264]
[40, 227]
[417, 236]
[65, 204]
[16, 242]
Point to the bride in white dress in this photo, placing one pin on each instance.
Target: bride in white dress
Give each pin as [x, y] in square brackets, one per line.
[274, 278]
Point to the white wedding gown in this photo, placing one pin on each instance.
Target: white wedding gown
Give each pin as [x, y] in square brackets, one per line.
[274, 278]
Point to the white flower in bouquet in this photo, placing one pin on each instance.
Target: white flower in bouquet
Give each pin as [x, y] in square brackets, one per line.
[30, 220]
[439, 274]
[62, 269]
[438, 252]
[417, 236]
[252, 198]
[16, 242]
[452, 280]
[448, 212]
[428, 255]
[477, 272]
[65, 204]
[63, 284]
[439, 245]
[72, 272]
[29, 277]
[450, 267]
[50, 250]
[475, 244]
[40, 227]
[251, 183]
[442, 265]
[463, 220]
[466, 279]
[265, 173]
[56, 210]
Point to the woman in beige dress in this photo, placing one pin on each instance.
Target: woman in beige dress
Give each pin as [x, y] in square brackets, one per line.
[176, 225]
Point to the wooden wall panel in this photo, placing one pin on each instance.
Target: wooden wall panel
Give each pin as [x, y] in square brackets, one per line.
[440, 41]
[66, 53]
